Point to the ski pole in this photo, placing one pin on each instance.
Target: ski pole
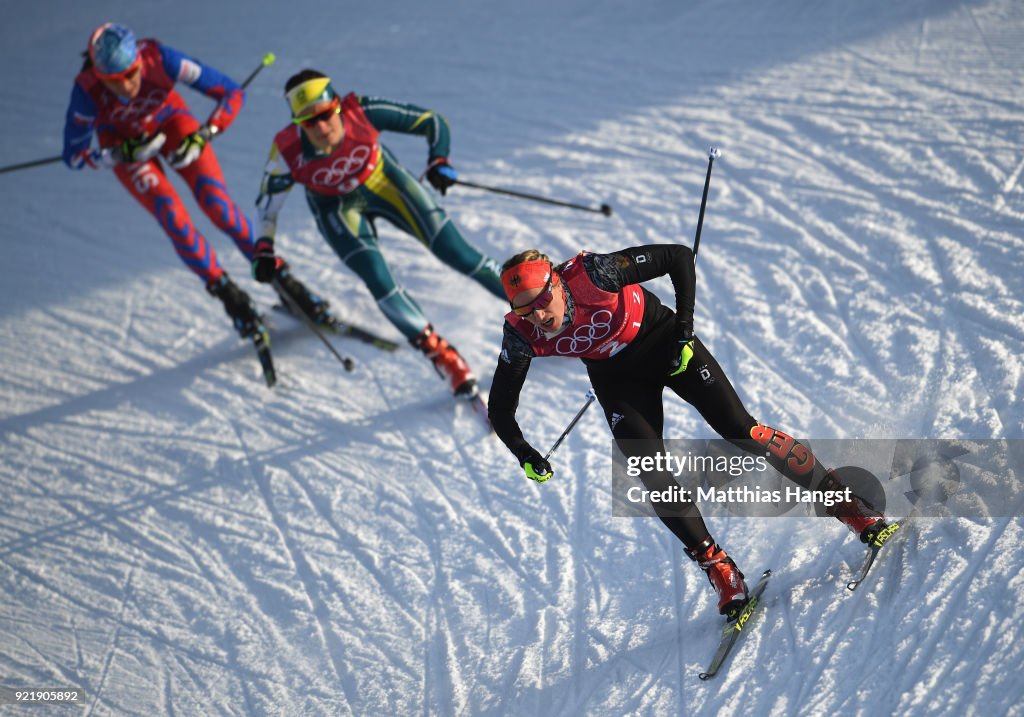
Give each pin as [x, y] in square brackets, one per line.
[348, 363]
[712, 154]
[267, 60]
[206, 131]
[572, 424]
[34, 163]
[603, 209]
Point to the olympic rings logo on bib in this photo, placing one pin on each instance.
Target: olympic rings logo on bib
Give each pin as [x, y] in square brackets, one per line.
[584, 337]
[343, 170]
[139, 106]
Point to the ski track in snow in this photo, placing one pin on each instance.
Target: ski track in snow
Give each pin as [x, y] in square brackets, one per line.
[176, 539]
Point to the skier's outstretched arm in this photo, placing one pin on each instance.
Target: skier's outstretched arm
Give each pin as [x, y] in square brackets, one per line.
[509, 378]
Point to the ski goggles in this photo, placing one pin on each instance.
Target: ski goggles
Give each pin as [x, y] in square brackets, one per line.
[323, 115]
[542, 299]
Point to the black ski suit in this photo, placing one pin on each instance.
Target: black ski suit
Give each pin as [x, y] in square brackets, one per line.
[629, 385]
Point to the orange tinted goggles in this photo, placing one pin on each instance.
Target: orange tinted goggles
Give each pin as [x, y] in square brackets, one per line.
[321, 116]
[542, 299]
[128, 74]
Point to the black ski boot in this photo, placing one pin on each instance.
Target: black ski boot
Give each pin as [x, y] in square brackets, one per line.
[313, 306]
[237, 304]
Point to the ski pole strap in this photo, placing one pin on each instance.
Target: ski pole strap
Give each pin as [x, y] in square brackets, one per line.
[590, 399]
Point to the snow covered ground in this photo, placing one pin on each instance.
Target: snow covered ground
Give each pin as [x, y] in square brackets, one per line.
[176, 539]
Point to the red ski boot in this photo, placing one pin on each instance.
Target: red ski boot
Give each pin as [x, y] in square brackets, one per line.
[725, 577]
[863, 520]
[447, 361]
[857, 514]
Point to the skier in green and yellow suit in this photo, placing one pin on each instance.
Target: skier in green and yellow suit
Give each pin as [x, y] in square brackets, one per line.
[332, 148]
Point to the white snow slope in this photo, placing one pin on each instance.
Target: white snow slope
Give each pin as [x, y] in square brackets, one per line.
[177, 539]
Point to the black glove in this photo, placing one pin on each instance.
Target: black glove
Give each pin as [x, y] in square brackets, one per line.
[441, 175]
[264, 263]
[681, 351]
[536, 467]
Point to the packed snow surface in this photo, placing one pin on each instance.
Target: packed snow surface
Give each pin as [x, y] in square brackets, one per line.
[177, 539]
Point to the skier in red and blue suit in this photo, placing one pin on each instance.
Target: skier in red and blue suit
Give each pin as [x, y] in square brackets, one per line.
[125, 97]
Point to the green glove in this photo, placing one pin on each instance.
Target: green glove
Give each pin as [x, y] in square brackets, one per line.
[189, 149]
[140, 149]
[536, 467]
[681, 356]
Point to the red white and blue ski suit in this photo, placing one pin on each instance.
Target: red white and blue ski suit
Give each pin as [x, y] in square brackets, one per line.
[94, 109]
